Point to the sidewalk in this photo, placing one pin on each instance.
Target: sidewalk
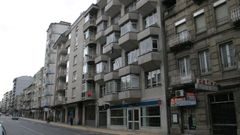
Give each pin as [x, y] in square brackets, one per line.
[100, 130]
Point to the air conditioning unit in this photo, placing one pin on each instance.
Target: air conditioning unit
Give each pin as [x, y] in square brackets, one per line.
[179, 93]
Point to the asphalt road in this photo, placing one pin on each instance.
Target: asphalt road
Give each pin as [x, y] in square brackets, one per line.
[25, 127]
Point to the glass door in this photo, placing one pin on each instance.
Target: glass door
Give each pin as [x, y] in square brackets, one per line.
[133, 120]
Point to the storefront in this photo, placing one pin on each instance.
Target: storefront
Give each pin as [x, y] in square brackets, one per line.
[136, 116]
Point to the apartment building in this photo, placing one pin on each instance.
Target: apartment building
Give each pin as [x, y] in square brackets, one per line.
[62, 45]
[202, 38]
[20, 83]
[49, 74]
[121, 57]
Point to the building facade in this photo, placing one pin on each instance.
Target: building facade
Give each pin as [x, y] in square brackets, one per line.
[202, 38]
[19, 84]
[49, 73]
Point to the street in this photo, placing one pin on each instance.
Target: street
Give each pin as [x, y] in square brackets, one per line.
[25, 127]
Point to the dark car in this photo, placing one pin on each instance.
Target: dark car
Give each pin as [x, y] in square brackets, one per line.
[2, 130]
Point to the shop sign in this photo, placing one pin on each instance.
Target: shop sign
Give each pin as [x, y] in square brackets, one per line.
[206, 85]
[188, 100]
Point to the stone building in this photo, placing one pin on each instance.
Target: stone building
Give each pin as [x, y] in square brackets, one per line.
[203, 45]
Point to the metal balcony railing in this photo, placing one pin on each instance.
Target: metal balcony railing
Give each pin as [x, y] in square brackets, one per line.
[180, 40]
[235, 16]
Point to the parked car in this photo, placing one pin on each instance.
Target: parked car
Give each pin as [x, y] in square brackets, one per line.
[15, 117]
[2, 130]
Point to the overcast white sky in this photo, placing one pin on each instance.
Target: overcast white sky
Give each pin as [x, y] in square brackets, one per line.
[23, 25]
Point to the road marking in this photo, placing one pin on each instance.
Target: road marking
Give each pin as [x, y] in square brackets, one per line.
[34, 131]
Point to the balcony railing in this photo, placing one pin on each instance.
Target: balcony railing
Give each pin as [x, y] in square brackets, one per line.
[180, 40]
[177, 79]
[235, 16]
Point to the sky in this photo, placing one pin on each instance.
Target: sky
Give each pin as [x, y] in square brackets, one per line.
[23, 25]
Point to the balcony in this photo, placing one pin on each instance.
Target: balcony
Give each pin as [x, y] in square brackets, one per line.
[90, 41]
[130, 69]
[111, 29]
[128, 41]
[101, 58]
[88, 76]
[130, 94]
[177, 80]
[111, 76]
[102, 18]
[110, 97]
[99, 78]
[180, 41]
[101, 3]
[89, 24]
[145, 7]
[100, 37]
[150, 60]
[129, 16]
[88, 95]
[150, 31]
[126, 2]
[113, 50]
[113, 7]
[61, 86]
[62, 61]
[235, 16]
[62, 73]
[63, 50]
[89, 58]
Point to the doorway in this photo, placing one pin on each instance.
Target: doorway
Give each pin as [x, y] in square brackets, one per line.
[223, 114]
[133, 118]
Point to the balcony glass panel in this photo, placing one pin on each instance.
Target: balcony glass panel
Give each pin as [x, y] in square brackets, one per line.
[112, 38]
[112, 87]
[101, 26]
[129, 27]
[129, 82]
[148, 45]
[101, 67]
[151, 19]
[117, 63]
[133, 56]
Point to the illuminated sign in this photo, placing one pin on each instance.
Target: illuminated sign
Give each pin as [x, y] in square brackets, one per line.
[205, 84]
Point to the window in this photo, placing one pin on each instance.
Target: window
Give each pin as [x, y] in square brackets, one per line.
[129, 82]
[112, 87]
[117, 117]
[184, 67]
[133, 56]
[129, 27]
[117, 63]
[74, 76]
[88, 69]
[88, 86]
[112, 38]
[73, 92]
[88, 18]
[221, 13]
[101, 67]
[75, 60]
[151, 19]
[148, 45]
[114, 20]
[153, 78]
[228, 55]
[76, 36]
[150, 116]
[200, 23]
[204, 62]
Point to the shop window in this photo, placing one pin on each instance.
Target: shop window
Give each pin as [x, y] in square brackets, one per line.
[117, 117]
[150, 116]
[228, 55]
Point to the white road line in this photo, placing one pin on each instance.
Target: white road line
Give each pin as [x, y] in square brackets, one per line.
[34, 131]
